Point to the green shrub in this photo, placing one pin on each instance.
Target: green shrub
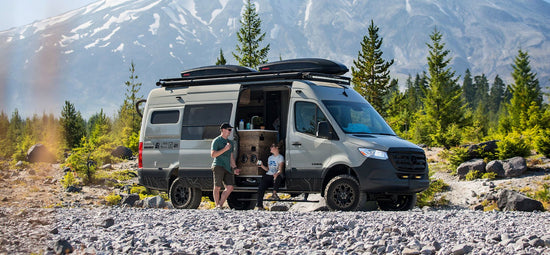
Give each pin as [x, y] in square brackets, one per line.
[113, 199]
[513, 145]
[457, 156]
[427, 197]
[138, 190]
[472, 175]
[542, 143]
[68, 180]
[490, 176]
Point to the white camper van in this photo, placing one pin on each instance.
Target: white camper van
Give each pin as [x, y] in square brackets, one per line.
[335, 143]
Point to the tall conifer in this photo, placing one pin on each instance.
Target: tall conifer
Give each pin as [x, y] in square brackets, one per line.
[370, 73]
[248, 51]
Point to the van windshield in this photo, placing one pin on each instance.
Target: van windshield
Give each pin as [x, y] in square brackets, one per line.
[358, 118]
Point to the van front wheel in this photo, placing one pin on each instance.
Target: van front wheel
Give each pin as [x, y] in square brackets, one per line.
[398, 203]
[183, 197]
[342, 193]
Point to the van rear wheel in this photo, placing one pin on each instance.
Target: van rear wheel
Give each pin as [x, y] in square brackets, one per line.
[398, 203]
[184, 197]
[342, 193]
[241, 200]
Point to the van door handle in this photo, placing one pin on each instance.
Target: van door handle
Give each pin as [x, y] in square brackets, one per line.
[297, 144]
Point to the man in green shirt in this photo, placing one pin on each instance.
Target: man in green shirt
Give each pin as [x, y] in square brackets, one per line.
[224, 167]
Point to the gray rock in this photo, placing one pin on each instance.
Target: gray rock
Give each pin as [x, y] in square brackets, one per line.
[546, 240]
[122, 152]
[279, 208]
[39, 153]
[409, 251]
[514, 167]
[19, 164]
[107, 166]
[129, 199]
[107, 222]
[470, 165]
[514, 201]
[485, 147]
[496, 167]
[62, 246]
[153, 202]
[461, 249]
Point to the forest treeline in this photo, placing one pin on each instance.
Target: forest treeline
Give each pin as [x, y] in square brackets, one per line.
[435, 108]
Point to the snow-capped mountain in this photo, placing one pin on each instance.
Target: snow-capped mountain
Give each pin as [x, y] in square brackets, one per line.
[84, 55]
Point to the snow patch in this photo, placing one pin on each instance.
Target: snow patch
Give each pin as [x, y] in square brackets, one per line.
[408, 6]
[275, 31]
[155, 26]
[119, 48]
[68, 52]
[83, 26]
[66, 40]
[308, 10]
[39, 49]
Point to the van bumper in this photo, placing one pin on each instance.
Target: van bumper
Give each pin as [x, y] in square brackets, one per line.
[156, 179]
[381, 176]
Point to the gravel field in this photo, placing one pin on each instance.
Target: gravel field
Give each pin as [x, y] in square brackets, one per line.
[164, 231]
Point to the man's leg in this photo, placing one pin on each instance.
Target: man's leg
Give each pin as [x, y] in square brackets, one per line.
[225, 194]
[216, 194]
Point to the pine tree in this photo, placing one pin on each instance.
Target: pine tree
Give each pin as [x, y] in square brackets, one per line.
[250, 35]
[443, 103]
[468, 89]
[370, 73]
[4, 126]
[221, 59]
[129, 122]
[481, 85]
[526, 92]
[72, 125]
[496, 95]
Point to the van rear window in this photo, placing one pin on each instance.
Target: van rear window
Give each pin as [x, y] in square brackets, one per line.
[203, 121]
[165, 117]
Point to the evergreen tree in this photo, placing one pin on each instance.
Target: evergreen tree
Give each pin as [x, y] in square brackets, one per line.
[221, 59]
[526, 92]
[72, 125]
[248, 51]
[129, 122]
[4, 126]
[481, 84]
[443, 103]
[468, 89]
[496, 95]
[370, 73]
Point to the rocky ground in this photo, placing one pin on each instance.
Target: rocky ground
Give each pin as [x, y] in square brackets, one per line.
[38, 216]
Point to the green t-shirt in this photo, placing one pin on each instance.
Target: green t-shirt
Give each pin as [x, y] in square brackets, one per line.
[222, 160]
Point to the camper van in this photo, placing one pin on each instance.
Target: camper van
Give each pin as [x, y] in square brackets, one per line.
[334, 141]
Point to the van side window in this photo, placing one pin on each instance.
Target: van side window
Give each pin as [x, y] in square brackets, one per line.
[165, 117]
[203, 121]
[306, 117]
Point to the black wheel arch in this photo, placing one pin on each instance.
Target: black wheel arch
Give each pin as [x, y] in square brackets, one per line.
[335, 171]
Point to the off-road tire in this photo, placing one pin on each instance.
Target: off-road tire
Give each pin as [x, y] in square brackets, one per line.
[183, 197]
[342, 194]
[398, 203]
[241, 200]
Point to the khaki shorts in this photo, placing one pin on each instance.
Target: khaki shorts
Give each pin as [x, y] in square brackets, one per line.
[222, 176]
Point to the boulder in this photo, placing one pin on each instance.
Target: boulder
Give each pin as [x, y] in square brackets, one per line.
[485, 147]
[39, 153]
[496, 166]
[122, 152]
[129, 199]
[514, 201]
[153, 202]
[62, 246]
[470, 165]
[514, 167]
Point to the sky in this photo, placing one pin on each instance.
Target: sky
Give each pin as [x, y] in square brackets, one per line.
[14, 13]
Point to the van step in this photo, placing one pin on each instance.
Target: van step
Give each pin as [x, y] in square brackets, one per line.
[281, 200]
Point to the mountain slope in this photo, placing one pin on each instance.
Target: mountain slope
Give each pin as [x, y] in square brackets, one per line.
[84, 55]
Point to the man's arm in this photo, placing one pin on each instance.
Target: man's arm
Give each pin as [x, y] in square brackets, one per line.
[215, 154]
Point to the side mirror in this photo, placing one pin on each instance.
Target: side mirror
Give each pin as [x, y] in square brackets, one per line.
[324, 130]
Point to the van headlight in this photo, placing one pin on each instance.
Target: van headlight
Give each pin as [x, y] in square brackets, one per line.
[376, 154]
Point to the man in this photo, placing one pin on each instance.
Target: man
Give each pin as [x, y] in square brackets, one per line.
[224, 167]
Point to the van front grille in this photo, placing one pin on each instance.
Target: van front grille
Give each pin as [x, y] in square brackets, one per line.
[409, 162]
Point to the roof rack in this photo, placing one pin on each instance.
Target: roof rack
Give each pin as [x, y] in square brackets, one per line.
[252, 77]
[314, 69]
